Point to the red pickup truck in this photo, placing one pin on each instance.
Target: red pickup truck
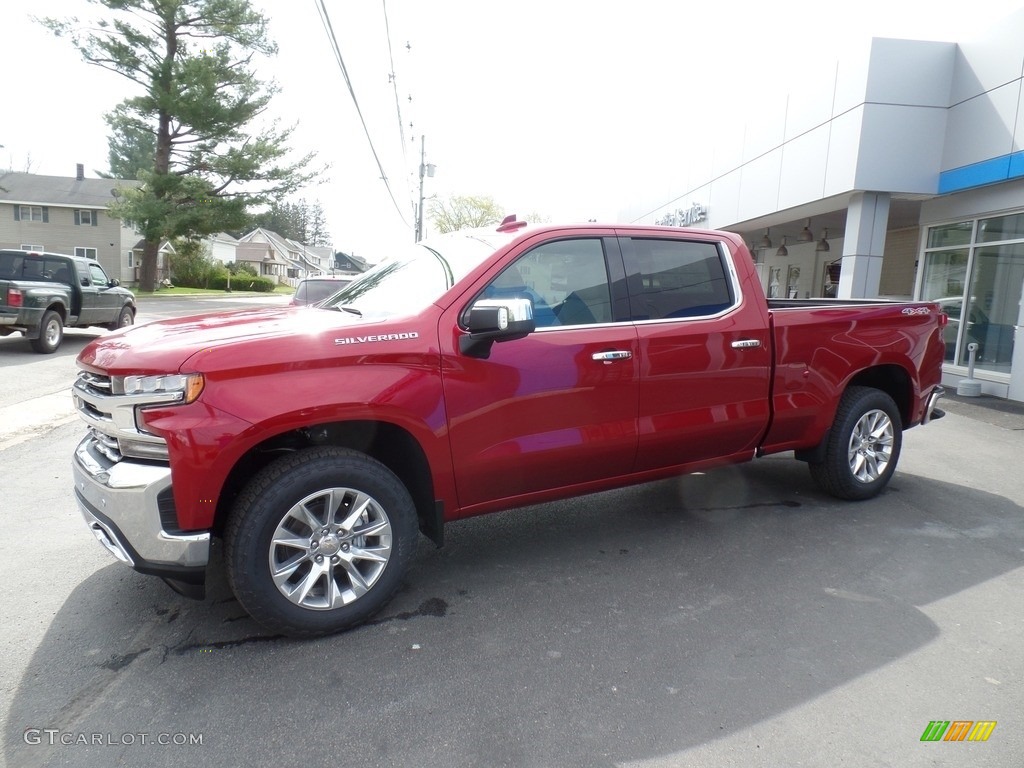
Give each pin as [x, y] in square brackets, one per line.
[481, 371]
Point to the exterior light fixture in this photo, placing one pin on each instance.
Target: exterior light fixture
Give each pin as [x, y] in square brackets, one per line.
[783, 250]
[766, 242]
[806, 236]
[822, 245]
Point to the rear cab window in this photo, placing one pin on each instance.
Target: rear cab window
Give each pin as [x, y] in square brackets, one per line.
[16, 266]
[10, 265]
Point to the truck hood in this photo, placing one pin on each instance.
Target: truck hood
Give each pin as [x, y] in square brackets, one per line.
[166, 345]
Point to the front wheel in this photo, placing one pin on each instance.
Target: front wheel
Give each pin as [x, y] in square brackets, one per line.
[51, 332]
[862, 446]
[319, 541]
[124, 319]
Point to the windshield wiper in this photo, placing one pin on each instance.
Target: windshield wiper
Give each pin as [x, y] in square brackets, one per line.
[338, 308]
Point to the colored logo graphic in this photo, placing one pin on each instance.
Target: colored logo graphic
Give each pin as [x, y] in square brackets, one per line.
[958, 730]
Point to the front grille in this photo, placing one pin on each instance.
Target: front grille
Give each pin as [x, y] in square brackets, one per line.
[111, 417]
[105, 445]
[94, 383]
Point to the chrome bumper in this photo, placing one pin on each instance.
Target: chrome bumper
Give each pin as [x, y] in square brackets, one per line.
[930, 411]
[120, 502]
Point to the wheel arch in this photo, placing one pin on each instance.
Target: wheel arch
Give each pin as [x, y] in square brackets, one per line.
[890, 378]
[390, 444]
[60, 309]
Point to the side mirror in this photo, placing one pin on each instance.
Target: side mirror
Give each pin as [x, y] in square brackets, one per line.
[491, 320]
[113, 282]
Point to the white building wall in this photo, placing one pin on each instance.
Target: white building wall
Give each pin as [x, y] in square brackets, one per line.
[982, 127]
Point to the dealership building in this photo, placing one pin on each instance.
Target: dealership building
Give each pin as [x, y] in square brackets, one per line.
[899, 172]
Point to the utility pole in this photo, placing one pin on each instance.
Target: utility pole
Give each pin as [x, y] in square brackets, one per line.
[426, 169]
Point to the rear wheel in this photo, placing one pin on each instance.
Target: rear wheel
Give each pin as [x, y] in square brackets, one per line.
[51, 332]
[319, 541]
[863, 445]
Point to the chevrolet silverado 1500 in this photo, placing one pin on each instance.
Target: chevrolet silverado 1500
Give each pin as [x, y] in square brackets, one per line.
[481, 371]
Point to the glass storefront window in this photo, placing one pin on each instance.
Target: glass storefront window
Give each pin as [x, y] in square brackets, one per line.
[979, 286]
[1001, 228]
[944, 279]
[993, 306]
[950, 235]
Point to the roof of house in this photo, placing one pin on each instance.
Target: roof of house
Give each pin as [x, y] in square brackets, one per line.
[356, 261]
[295, 253]
[61, 191]
[259, 251]
[223, 237]
[165, 246]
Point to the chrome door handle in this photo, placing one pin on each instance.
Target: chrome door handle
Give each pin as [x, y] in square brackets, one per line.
[607, 357]
[746, 344]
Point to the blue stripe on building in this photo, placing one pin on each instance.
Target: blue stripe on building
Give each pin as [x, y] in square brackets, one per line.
[990, 171]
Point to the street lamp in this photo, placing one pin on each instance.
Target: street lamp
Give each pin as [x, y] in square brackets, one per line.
[426, 169]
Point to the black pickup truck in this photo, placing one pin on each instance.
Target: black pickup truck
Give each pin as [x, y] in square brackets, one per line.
[41, 293]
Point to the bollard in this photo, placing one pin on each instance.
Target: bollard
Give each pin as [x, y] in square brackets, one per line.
[969, 387]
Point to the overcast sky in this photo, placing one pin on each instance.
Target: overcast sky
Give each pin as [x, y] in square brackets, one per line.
[572, 110]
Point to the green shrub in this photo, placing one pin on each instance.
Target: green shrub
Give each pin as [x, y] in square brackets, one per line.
[193, 267]
[244, 282]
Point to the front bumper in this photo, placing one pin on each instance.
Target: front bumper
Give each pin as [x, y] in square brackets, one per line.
[129, 508]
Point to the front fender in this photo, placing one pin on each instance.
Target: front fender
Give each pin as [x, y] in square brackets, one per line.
[237, 413]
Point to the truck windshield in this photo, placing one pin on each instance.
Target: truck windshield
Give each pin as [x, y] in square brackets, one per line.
[411, 280]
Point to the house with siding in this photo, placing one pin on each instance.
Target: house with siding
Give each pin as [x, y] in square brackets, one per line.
[66, 214]
[284, 259]
[348, 264]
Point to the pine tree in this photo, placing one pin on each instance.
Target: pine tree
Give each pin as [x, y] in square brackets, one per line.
[192, 61]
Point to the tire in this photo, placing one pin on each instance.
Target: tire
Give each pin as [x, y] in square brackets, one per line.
[124, 319]
[863, 445]
[51, 333]
[303, 580]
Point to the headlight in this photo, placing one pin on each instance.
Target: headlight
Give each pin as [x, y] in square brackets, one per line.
[188, 386]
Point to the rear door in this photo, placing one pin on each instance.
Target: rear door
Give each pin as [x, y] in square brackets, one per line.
[704, 348]
[559, 407]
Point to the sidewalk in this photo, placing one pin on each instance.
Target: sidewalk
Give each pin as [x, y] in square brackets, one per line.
[1008, 414]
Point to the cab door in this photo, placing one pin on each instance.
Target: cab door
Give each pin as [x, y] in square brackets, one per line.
[89, 290]
[557, 408]
[705, 354]
[108, 300]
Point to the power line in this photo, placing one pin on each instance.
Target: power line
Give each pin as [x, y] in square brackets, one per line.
[398, 106]
[326, 19]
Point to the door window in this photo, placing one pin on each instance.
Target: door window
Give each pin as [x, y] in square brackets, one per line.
[99, 277]
[679, 279]
[567, 281]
